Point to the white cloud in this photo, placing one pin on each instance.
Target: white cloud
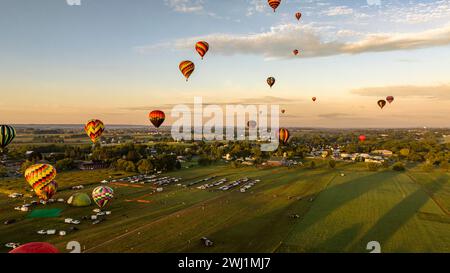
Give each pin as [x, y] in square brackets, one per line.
[279, 41]
[339, 10]
[256, 6]
[185, 6]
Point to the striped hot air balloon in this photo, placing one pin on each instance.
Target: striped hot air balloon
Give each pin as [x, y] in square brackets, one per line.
[102, 195]
[157, 118]
[94, 129]
[274, 4]
[283, 135]
[298, 15]
[202, 48]
[7, 134]
[41, 179]
[186, 68]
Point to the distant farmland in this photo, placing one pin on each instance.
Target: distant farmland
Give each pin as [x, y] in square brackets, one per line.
[404, 211]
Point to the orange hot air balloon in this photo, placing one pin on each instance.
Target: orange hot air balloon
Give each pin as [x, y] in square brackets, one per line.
[202, 48]
[295, 52]
[390, 99]
[362, 138]
[274, 4]
[157, 118]
[186, 68]
[314, 99]
[94, 129]
[271, 81]
[381, 103]
[283, 135]
[298, 15]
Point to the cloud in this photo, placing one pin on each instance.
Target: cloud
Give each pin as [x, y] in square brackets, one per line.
[339, 10]
[312, 40]
[431, 92]
[185, 6]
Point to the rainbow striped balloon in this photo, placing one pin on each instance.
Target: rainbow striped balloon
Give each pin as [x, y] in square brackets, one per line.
[94, 129]
[202, 48]
[186, 68]
[102, 195]
[41, 179]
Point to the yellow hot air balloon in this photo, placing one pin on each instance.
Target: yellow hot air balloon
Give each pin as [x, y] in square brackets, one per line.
[41, 179]
[94, 129]
[186, 68]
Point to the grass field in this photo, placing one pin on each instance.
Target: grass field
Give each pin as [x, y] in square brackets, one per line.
[405, 212]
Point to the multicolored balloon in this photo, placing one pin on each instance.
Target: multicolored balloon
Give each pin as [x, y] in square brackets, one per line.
[274, 4]
[362, 138]
[7, 134]
[271, 81]
[35, 247]
[390, 99]
[187, 68]
[41, 179]
[381, 103]
[298, 15]
[295, 52]
[202, 48]
[94, 129]
[102, 195]
[283, 135]
[157, 118]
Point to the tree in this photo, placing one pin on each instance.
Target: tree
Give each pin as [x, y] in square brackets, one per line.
[26, 165]
[145, 166]
[3, 171]
[66, 164]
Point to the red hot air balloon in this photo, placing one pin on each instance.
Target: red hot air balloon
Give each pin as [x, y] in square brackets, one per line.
[390, 99]
[202, 48]
[362, 138]
[274, 4]
[295, 52]
[314, 99]
[298, 15]
[35, 247]
[157, 118]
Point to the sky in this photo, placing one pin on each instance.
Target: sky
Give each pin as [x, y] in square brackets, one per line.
[117, 60]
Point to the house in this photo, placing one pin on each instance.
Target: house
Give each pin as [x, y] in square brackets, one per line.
[386, 153]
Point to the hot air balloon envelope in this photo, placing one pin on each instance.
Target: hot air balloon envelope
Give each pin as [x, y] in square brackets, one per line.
[157, 118]
[94, 129]
[35, 247]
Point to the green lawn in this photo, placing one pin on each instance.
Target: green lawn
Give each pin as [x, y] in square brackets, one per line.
[405, 212]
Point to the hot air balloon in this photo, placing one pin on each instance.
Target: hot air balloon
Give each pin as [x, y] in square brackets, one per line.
[7, 134]
[102, 195]
[283, 111]
[381, 103]
[362, 138]
[94, 129]
[274, 4]
[251, 124]
[295, 52]
[298, 15]
[271, 81]
[35, 247]
[186, 68]
[390, 99]
[41, 179]
[202, 48]
[314, 99]
[283, 135]
[157, 118]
